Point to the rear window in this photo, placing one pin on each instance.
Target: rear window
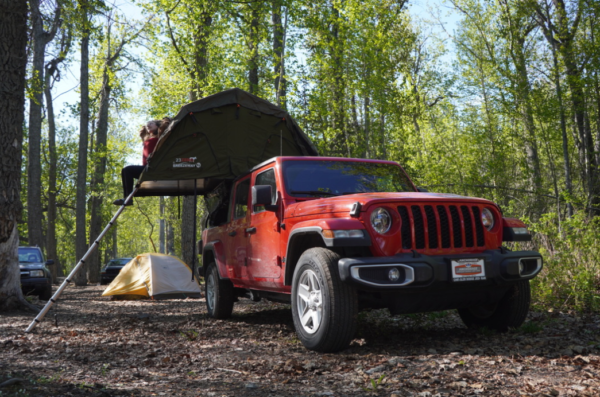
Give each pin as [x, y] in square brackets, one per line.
[335, 178]
[29, 255]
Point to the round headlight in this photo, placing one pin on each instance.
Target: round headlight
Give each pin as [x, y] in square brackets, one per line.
[487, 218]
[381, 220]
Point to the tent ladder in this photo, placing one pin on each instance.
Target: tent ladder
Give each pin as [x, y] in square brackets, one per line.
[93, 247]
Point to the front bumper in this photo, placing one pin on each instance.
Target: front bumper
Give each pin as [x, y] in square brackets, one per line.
[427, 283]
[34, 283]
[422, 272]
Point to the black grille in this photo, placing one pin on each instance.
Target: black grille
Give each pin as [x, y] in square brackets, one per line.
[456, 227]
[419, 227]
[431, 226]
[468, 222]
[445, 226]
[453, 223]
[478, 226]
[405, 230]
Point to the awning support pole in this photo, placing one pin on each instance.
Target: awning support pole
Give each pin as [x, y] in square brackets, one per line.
[194, 255]
[93, 247]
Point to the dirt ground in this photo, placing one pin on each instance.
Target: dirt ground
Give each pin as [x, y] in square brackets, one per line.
[91, 346]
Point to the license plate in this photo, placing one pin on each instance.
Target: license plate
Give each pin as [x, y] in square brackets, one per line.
[468, 270]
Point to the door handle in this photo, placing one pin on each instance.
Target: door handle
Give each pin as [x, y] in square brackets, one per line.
[251, 230]
[232, 233]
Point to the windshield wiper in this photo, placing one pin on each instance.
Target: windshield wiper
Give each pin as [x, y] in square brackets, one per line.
[313, 192]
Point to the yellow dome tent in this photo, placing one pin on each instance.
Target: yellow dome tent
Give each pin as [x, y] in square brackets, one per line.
[154, 275]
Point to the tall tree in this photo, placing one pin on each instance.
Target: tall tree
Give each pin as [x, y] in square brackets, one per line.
[113, 52]
[13, 41]
[40, 38]
[51, 75]
[560, 25]
[279, 32]
[84, 9]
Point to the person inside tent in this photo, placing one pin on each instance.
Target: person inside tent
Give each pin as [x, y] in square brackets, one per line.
[149, 134]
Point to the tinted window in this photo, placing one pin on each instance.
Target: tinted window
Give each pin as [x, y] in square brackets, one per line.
[334, 178]
[267, 178]
[29, 255]
[241, 199]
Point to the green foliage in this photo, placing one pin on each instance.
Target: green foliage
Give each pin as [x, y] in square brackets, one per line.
[531, 327]
[479, 111]
[373, 384]
[571, 251]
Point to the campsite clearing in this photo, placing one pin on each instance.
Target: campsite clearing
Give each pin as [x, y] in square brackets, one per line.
[91, 346]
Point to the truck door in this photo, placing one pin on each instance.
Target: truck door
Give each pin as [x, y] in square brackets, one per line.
[236, 230]
[263, 236]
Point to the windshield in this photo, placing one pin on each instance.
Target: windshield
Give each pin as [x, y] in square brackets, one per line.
[335, 178]
[118, 262]
[29, 255]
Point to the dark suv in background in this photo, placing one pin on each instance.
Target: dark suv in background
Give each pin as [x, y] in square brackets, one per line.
[35, 276]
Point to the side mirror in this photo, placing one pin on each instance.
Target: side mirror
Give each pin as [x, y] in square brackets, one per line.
[261, 195]
[422, 190]
[49, 262]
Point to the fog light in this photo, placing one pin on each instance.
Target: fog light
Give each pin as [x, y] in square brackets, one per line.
[394, 275]
[521, 267]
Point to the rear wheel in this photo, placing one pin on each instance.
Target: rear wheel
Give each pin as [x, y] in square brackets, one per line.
[323, 308]
[510, 312]
[219, 294]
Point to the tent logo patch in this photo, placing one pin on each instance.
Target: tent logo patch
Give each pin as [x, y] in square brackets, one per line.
[186, 162]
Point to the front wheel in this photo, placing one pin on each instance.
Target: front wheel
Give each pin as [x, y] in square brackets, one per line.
[323, 308]
[219, 294]
[46, 292]
[510, 312]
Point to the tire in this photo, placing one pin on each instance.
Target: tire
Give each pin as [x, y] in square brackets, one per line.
[510, 312]
[323, 308]
[46, 293]
[219, 294]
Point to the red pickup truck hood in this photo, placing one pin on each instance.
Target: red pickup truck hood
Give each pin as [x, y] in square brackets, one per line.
[344, 203]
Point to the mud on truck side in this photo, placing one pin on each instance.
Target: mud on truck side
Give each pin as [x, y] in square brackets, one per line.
[332, 236]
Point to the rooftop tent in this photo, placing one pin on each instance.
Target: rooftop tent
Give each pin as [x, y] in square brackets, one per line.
[155, 275]
[220, 137]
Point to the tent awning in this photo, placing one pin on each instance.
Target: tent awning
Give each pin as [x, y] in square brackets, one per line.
[220, 137]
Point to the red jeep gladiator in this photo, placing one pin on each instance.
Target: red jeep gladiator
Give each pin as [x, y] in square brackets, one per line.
[335, 235]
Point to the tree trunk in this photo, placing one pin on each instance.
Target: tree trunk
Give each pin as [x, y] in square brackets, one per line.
[51, 251]
[200, 55]
[97, 184]
[253, 45]
[84, 118]
[171, 232]
[367, 117]
[563, 129]
[339, 87]
[40, 39]
[279, 53]
[524, 90]
[13, 41]
[187, 229]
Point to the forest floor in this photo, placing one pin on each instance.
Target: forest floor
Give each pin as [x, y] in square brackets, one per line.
[89, 345]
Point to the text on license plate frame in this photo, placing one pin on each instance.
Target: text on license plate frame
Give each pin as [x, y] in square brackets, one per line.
[471, 269]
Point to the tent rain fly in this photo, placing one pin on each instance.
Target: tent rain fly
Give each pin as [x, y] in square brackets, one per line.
[220, 137]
